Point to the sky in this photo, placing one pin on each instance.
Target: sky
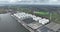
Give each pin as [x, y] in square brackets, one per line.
[38, 2]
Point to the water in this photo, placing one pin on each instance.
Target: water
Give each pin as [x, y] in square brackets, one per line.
[9, 24]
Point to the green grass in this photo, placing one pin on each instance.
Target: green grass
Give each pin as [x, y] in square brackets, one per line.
[55, 17]
[42, 13]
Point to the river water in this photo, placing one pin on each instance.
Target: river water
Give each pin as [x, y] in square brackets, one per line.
[9, 24]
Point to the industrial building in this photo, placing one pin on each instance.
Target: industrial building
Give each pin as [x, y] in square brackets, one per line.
[23, 16]
[31, 21]
[36, 24]
[8, 23]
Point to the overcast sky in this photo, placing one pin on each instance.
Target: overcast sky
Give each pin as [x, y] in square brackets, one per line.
[39, 2]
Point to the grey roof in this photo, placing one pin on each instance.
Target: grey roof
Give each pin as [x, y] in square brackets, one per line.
[53, 26]
[35, 25]
[29, 20]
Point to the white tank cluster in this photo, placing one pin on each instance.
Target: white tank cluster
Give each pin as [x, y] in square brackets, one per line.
[23, 15]
[43, 21]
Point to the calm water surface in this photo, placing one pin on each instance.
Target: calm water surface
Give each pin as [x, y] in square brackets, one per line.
[9, 24]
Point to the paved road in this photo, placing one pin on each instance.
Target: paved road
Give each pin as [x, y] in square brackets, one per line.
[9, 24]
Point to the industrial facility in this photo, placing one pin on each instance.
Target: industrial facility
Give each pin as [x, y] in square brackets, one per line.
[31, 21]
[34, 23]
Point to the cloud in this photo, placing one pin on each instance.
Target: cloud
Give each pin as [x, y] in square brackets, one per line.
[38, 2]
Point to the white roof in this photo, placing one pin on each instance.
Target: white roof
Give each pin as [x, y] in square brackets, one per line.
[43, 21]
[36, 18]
[23, 15]
[16, 15]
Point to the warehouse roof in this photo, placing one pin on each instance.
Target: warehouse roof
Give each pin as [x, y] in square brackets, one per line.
[23, 15]
[53, 26]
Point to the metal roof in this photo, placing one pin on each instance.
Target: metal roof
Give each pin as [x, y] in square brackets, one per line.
[53, 26]
[23, 15]
[35, 25]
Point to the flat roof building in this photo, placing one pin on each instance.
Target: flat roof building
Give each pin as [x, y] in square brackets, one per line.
[35, 25]
[53, 26]
[23, 15]
[43, 21]
[28, 20]
[32, 21]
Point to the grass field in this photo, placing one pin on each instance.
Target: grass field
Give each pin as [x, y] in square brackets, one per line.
[55, 17]
[42, 14]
